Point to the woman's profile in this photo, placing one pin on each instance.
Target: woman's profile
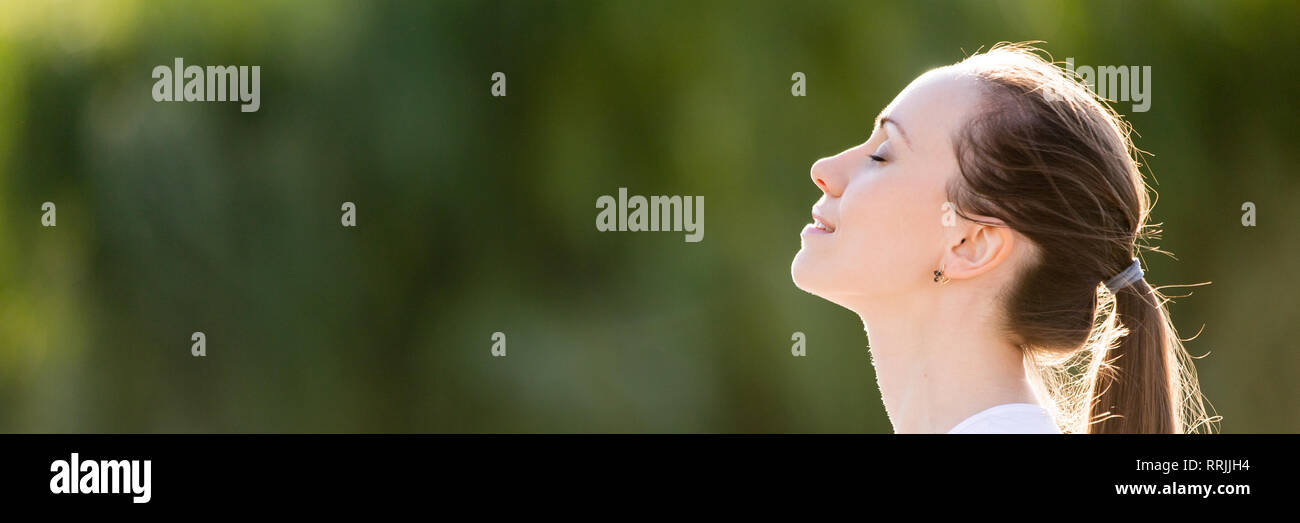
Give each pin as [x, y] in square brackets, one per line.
[987, 235]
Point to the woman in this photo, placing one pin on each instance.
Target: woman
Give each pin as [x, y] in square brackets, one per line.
[985, 233]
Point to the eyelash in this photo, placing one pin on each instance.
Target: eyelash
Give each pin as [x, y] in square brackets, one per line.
[876, 158]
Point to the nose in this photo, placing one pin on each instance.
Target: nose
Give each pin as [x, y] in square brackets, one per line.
[828, 175]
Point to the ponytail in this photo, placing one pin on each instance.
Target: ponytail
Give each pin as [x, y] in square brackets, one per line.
[1145, 382]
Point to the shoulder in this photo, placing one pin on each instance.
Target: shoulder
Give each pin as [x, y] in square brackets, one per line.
[1011, 418]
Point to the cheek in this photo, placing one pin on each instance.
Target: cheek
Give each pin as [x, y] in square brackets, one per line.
[893, 228]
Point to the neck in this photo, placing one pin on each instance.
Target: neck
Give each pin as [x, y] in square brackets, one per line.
[942, 363]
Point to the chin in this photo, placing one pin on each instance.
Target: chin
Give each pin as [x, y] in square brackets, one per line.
[804, 275]
[821, 281]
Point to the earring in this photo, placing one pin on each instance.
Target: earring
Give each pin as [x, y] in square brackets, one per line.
[939, 277]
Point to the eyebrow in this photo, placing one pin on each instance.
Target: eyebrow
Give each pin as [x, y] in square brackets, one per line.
[882, 120]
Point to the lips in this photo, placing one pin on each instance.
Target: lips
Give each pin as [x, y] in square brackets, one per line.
[821, 223]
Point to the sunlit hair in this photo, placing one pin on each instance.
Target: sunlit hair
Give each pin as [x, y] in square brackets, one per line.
[1056, 163]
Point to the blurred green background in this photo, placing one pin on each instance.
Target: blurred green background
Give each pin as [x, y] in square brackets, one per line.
[476, 214]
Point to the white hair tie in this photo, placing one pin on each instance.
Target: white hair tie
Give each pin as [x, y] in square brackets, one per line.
[1127, 277]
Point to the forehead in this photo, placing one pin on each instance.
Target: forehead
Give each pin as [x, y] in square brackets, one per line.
[934, 106]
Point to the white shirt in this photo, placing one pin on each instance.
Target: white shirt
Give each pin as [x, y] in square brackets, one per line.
[1010, 418]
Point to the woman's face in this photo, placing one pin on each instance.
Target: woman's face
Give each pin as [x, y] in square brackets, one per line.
[882, 205]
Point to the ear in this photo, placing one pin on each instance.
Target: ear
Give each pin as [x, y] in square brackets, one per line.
[977, 248]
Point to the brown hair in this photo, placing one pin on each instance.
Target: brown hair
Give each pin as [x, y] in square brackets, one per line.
[1056, 164]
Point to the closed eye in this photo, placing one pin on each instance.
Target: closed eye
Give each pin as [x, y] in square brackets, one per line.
[881, 151]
